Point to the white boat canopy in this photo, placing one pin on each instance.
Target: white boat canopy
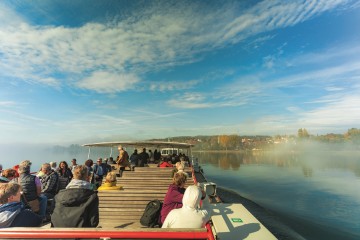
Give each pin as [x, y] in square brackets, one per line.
[140, 144]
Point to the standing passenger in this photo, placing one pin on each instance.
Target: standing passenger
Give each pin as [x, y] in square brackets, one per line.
[123, 160]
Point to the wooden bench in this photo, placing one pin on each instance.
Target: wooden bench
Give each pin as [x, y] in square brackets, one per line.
[124, 208]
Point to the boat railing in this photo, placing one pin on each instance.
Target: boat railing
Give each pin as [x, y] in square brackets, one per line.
[98, 233]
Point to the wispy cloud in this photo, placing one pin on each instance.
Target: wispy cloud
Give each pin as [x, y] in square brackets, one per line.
[105, 82]
[152, 38]
[7, 103]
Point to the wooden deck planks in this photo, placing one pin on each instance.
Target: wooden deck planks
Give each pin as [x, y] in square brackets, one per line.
[124, 208]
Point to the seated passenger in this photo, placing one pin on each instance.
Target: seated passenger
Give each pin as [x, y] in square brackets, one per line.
[134, 160]
[174, 195]
[10, 174]
[49, 182]
[179, 167]
[31, 187]
[165, 164]
[12, 211]
[110, 183]
[65, 175]
[78, 204]
[189, 216]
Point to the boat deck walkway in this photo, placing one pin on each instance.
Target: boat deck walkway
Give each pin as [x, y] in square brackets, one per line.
[124, 208]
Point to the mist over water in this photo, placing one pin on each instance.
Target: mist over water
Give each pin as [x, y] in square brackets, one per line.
[313, 190]
[11, 154]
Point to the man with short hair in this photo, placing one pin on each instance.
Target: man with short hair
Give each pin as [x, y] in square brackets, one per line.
[49, 182]
[100, 170]
[73, 164]
[31, 187]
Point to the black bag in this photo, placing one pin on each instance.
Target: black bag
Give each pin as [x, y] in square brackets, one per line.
[150, 217]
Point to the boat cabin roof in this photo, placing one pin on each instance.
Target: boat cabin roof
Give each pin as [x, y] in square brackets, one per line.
[141, 144]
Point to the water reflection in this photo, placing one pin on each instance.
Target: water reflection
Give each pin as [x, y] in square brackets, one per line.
[311, 190]
[306, 162]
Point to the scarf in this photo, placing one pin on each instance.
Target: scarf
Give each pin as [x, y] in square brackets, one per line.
[8, 212]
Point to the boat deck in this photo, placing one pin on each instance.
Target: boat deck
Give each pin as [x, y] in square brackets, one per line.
[124, 208]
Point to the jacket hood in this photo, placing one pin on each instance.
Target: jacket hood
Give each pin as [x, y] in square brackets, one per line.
[191, 197]
[74, 196]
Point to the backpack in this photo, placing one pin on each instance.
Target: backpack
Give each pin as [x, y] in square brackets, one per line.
[151, 215]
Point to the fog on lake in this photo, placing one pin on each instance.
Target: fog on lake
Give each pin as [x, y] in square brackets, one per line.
[318, 189]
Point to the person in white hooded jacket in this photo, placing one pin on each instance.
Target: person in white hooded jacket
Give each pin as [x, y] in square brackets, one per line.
[189, 215]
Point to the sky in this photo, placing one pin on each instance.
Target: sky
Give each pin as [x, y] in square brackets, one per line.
[80, 71]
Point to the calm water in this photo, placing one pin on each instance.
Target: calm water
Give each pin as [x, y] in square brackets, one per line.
[317, 194]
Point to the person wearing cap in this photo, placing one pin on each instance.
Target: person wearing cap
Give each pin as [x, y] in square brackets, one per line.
[31, 187]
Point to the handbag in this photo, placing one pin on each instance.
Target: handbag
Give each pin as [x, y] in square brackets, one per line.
[34, 205]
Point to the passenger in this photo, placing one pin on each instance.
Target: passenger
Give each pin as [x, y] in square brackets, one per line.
[16, 168]
[65, 175]
[10, 174]
[53, 166]
[12, 211]
[134, 159]
[178, 168]
[49, 182]
[157, 156]
[174, 195]
[123, 160]
[107, 166]
[165, 164]
[110, 183]
[111, 160]
[78, 204]
[151, 156]
[4, 179]
[89, 163]
[100, 170]
[31, 187]
[73, 164]
[1, 169]
[189, 216]
[143, 158]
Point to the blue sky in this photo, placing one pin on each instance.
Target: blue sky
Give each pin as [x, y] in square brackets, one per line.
[75, 71]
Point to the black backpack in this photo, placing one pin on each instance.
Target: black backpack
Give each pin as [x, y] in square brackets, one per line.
[150, 217]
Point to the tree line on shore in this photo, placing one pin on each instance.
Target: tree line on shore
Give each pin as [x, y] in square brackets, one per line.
[234, 142]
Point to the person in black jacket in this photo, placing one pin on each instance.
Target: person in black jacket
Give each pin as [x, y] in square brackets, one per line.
[78, 204]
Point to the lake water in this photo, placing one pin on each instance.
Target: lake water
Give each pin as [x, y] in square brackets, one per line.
[317, 193]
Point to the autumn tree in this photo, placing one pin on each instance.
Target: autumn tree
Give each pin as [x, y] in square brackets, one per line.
[303, 133]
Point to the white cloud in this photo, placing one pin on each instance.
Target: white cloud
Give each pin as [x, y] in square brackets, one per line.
[150, 39]
[7, 103]
[105, 82]
[189, 101]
